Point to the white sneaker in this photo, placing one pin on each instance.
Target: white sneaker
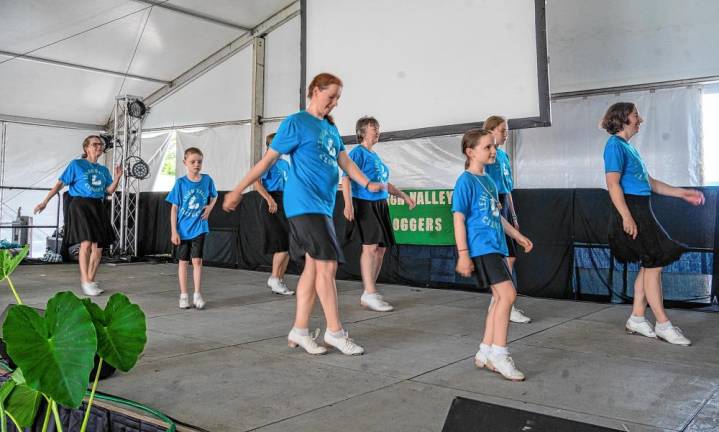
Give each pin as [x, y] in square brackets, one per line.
[278, 286]
[306, 342]
[643, 328]
[184, 301]
[375, 302]
[90, 290]
[481, 360]
[198, 301]
[97, 287]
[504, 365]
[343, 343]
[673, 335]
[518, 316]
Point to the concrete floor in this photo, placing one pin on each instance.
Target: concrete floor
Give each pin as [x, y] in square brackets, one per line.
[228, 368]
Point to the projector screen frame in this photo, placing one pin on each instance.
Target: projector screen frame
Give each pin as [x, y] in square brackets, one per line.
[544, 119]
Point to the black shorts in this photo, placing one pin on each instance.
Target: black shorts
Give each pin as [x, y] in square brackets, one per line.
[653, 247]
[372, 223]
[314, 234]
[276, 236]
[491, 269]
[191, 248]
[507, 212]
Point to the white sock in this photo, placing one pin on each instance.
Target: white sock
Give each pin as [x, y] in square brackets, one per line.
[485, 349]
[183, 296]
[301, 332]
[663, 326]
[499, 350]
[637, 319]
[337, 334]
[272, 278]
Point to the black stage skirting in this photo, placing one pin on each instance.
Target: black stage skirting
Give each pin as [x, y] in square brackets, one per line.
[555, 219]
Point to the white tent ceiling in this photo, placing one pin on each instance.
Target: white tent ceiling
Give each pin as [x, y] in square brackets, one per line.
[154, 40]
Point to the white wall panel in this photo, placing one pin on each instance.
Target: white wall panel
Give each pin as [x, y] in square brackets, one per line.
[282, 69]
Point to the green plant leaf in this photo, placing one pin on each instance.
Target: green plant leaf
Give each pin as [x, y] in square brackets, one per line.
[121, 331]
[55, 352]
[5, 390]
[9, 262]
[23, 403]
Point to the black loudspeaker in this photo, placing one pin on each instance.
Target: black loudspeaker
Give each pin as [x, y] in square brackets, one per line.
[467, 415]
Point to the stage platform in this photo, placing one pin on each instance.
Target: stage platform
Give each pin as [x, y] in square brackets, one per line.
[228, 367]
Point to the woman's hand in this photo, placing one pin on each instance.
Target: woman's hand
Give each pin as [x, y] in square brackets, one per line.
[231, 201]
[630, 227]
[118, 171]
[376, 187]
[410, 203]
[40, 207]
[349, 212]
[465, 266]
[693, 197]
[271, 204]
[525, 243]
[175, 238]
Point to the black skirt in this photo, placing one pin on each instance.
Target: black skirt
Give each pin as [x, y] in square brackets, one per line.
[314, 234]
[653, 247]
[372, 223]
[491, 269]
[276, 228]
[87, 220]
[508, 213]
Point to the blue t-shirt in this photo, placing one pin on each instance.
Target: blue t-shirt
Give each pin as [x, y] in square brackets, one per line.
[314, 146]
[623, 158]
[501, 172]
[475, 196]
[373, 168]
[275, 178]
[191, 197]
[86, 179]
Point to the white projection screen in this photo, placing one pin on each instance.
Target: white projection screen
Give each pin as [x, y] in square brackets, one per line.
[430, 67]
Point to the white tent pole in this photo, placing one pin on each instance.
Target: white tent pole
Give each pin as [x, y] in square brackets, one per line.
[258, 98]
[166, 5]
[50, 123]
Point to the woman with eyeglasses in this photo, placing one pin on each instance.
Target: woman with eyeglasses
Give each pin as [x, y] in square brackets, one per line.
[87, 221]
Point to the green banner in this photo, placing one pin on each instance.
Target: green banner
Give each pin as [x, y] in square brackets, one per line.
[430, 223]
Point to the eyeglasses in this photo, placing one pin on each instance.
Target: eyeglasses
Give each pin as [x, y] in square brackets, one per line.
[96, 144]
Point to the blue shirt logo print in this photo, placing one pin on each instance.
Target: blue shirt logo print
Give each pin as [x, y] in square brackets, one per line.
[489, 205]
[192, 203]
[93, 180]
[327, 150]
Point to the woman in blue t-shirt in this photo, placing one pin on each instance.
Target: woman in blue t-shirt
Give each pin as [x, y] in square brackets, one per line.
[276, 232]
[369, 211]
[501, 173]
[634, 233]
[87, 221]
[479, 231]
[316, 150]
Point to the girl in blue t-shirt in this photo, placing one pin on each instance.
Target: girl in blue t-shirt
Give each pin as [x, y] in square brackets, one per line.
[368, 212]
[87, 221]
[479, 231]
[276, 229]
[635, 235]
[317, 152]
[501, 173]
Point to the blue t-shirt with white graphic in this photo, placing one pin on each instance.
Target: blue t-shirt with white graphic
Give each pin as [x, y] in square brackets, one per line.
[314, 146]
[501, 172]
[475, 196]
[191, 197]
[623, 158]
[86, 179]
[373, 168]
[275, 178]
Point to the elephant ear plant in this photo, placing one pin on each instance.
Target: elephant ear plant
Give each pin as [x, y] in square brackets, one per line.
[8, 263]
[55, 353]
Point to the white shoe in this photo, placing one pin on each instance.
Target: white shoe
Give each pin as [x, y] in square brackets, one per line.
[375, 302]
[278, 286]
[504, 365]
[97, 287]
[198, 301]
[343, 343]
[673, 335]
[306, 342]
[643, 328]
[481, 361]
[90, 290]
[184, 301]
[518, 316]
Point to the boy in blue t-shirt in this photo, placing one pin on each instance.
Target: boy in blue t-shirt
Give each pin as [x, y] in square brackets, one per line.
[192, 199]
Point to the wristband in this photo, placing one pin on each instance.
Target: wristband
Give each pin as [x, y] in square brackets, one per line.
[367, 185]
[462, 250]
